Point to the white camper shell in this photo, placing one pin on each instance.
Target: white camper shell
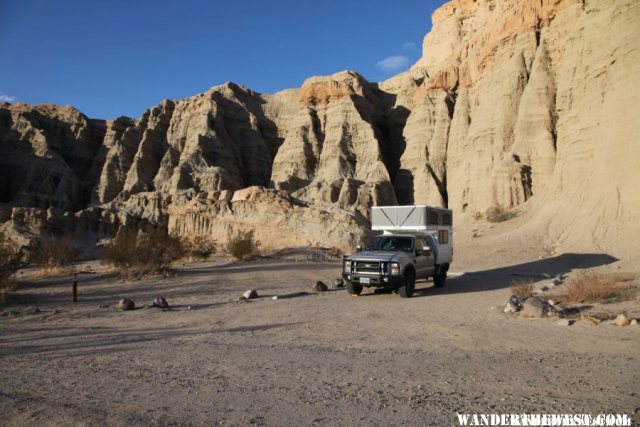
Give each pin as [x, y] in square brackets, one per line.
[417, 219]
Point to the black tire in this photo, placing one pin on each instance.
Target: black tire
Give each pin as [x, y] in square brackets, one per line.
[440, 279]
[406, 290]
[354, 289]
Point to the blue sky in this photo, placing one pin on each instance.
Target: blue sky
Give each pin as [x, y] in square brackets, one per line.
[112, 58]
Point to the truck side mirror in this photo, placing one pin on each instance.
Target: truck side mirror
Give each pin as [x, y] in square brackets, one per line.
[359, 248]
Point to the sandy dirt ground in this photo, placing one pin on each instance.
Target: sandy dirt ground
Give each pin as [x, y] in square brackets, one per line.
[326, 359]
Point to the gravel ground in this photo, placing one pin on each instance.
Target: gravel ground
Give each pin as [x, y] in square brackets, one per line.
[326, 359]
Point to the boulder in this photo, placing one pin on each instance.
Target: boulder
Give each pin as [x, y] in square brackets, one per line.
[125, 304]
[320, 286]
[160, 302]
[250, 294]
[622, 320]
[537, 307]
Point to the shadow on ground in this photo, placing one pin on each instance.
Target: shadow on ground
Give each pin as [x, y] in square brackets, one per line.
[503, 277]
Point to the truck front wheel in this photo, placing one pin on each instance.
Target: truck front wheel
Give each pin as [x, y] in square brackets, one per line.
[354, 289]
[407, 288]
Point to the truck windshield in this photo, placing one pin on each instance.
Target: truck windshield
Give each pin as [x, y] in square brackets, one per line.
[391, 243]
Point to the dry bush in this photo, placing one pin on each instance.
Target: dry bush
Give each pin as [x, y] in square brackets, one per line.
[10, 260]
[242, 244]
[589, 287]
[54, 255]
[200, 247]
[522, 288]
[140, 254]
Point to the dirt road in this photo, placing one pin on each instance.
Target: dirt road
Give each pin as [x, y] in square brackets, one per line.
[327, 359]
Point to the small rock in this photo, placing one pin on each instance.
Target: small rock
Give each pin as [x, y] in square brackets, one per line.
[338, 283]
[32, 310]
[125, 304]
[513, 305]
[551, 302]
[101, 306]
[160, 302]
[250, 294]
[188, 307]
[320, 287]
[544, 289]
[563, 322]
[593, 321]
[633, 322]
[622, 320]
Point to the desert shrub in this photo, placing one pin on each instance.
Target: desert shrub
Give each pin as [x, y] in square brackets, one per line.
[139, 254]
[9, 264]
[589, 287]
[522, 288]
[242, 244]
[497, 214]
[55, 254]
[200, 247]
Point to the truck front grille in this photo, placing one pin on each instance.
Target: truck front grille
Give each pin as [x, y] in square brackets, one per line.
[369, 267]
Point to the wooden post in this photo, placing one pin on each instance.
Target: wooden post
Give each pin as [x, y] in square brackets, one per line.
[74, 297]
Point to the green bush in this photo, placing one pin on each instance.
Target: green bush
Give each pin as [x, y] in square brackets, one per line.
[242, 244]
[139, 254]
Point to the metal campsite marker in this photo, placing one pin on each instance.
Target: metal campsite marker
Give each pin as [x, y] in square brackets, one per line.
[74, 290]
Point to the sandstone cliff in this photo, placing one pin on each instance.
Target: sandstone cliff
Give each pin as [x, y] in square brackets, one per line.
[527, 105]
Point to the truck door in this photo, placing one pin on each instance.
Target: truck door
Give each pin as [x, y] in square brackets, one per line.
[424, 258]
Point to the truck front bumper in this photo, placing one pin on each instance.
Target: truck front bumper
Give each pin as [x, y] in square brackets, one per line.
[371, 280]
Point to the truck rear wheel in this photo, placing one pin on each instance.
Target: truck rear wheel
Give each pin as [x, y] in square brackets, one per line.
[407, 288]
[440, 278]
[354, 289]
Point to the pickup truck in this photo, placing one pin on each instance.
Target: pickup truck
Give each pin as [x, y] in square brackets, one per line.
[395, 259]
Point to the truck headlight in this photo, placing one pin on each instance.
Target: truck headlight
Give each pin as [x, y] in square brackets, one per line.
[395, 268]
[347, 266]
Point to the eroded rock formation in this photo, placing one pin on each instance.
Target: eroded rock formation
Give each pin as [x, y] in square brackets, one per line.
[513, 104]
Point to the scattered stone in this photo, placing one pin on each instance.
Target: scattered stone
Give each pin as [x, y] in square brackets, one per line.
[633, 322]
[188, 307]
[513, 305]
[622, 320]
[102, 306]
[592, 320]
[551, 302]
[338, 283]
[32, 310]
[125, 304]
[563, 322]
[250, 294]
[537, 307]
[160, 302]
[545, 289]
[320, 287]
